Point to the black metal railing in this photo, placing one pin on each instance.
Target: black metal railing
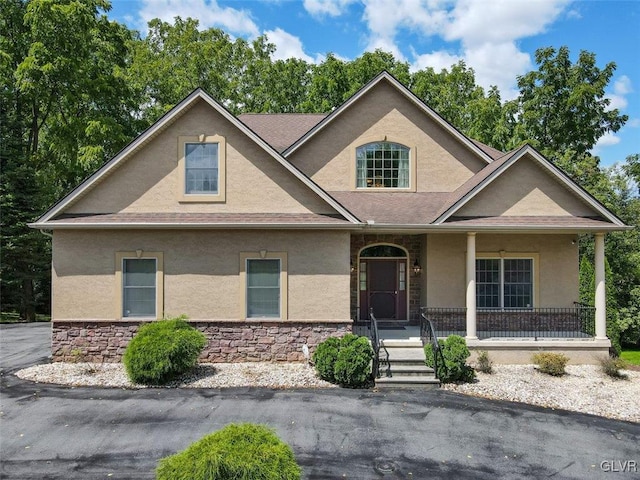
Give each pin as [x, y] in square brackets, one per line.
[577, 322]
[375, 344]
[428, 335]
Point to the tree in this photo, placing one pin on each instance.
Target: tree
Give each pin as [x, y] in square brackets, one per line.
[562, 105]
[66, 108]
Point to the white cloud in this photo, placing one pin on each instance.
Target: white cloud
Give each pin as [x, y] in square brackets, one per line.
[621, 88]
[437, 60]
[287, 46]
[606, 140]
[208, 12]
[331, 8]
[484, 34]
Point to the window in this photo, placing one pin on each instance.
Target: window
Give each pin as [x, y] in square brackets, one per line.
[263, 288]
[139, 287]
[264, 284]
[201, 168]
[382, 165]
[140, 284]
[504, 282]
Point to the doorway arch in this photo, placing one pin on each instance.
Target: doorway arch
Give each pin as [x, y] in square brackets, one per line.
[383, 282]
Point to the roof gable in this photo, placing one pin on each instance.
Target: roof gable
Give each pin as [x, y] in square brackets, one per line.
[385, 76]
[165, 122]
[530, 197]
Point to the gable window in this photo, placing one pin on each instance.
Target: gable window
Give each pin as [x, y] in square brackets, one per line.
[504, 283]
[139, 278]
[201, 168]
[382, 165]
[264, 279]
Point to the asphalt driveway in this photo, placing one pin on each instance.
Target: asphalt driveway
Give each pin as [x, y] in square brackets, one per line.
[51, 432]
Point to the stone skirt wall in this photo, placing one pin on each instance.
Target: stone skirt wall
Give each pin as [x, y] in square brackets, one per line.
[259, 341]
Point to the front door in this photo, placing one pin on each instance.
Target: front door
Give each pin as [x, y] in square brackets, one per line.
[384, 289]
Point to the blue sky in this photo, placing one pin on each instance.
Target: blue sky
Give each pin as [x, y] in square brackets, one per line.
[496, 37]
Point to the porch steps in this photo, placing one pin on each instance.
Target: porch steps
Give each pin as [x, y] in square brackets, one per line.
[404, 366]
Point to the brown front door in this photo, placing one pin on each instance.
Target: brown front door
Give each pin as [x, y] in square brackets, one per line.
[385, 290]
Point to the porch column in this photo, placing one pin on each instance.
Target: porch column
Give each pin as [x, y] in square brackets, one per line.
[601, 292]
[471, 286]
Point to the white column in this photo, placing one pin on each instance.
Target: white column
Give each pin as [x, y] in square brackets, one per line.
[601, 292]
[471, 286]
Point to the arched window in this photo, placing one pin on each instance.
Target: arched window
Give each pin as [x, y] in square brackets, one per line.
[382, 251]
[382, 165]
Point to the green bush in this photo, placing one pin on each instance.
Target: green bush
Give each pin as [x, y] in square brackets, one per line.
[345, 361]
[324, 358]
[237, 452]
[612, 366]
[455, 352]
[483, 362]
[163, 350]
[551, 363]
[353, 365]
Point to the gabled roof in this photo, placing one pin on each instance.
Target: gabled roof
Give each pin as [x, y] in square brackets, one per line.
[487, 175]
[159, 126]
[387, 77]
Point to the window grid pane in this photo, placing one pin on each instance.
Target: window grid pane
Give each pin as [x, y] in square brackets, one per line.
[382, 165]
[518, 285]
[201, 168]
[263, 287]
[139, 287]
[488, 283]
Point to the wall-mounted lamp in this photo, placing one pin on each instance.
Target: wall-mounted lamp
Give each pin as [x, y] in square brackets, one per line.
[416, 267]
[353, 267]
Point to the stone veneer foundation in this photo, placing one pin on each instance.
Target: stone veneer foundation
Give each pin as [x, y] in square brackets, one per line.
[259, 341]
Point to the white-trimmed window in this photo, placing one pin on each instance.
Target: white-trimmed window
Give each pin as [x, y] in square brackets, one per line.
[264, 280]
[504, 283]
[201, 167]
[139, 278]
[383, 165]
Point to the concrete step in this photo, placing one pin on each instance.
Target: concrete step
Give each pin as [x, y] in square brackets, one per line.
[402, 354]
[417, 381]
[406, 369]
[404, 343]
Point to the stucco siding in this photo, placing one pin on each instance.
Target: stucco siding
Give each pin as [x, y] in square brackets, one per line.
[556, 275]
[443, 163]
[201, 272]
[525, 189]
[149, 180]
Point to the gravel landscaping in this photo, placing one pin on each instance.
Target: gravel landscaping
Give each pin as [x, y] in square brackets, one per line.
[583, 389]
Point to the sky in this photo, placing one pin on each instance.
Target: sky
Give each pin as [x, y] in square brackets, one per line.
[497, 38]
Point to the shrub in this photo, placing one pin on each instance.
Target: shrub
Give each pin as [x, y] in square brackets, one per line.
[353, 365]
[612, 366]
[551, 363]
[345, 361]
[237, 452]
[162, 350]
[483, 362]
[325, 357]
[455, 353]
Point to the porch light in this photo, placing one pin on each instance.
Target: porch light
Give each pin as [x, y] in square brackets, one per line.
[416, 267]
[353, 267]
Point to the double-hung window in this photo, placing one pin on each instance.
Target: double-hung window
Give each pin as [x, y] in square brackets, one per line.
[383, 165]
[263, 287]
[139, 287]
[504, 283]
[201, 168]
[263, 276]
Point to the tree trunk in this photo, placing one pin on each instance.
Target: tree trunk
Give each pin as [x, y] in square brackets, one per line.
[28, 309]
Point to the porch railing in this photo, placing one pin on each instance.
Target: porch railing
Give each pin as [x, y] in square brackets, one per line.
[428, 335]
[577, 322]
